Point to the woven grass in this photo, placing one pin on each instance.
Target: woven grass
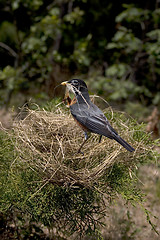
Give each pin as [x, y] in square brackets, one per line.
[47, 142]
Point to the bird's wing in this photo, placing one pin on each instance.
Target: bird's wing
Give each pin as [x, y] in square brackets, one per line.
[94, 120]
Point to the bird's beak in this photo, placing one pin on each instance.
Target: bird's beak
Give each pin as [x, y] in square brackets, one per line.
[64, 83]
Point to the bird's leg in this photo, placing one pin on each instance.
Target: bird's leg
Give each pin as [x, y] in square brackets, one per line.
[86, 138]
[100, 138]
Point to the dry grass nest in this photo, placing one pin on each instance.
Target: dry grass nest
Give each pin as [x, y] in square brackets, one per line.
[47, 142]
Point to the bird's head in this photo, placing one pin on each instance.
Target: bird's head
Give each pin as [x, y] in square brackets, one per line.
[77, 86]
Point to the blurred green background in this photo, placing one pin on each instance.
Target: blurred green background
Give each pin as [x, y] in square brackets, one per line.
[113, 45]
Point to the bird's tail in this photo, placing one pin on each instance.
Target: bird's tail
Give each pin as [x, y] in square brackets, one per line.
[124, 143]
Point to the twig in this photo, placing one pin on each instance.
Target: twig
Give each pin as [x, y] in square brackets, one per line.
[9, 49]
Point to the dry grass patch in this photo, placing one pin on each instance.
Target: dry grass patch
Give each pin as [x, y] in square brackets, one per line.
[47, 142]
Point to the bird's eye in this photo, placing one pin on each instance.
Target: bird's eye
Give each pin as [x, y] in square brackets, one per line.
[75, 82]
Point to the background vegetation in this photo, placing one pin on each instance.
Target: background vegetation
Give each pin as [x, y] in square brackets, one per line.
[113, 45]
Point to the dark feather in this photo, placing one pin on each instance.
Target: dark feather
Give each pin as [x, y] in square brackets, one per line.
[90, 116]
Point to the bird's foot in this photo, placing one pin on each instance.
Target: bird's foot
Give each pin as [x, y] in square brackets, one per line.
[78, 153]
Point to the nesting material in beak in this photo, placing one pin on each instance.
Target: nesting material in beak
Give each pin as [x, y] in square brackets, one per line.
[66, 96]
[66, 93]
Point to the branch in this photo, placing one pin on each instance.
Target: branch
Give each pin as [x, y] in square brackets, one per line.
[9, 49]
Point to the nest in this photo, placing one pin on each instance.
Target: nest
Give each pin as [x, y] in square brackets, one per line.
[47, 142]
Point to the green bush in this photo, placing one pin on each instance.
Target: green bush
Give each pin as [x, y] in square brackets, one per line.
[71, 209]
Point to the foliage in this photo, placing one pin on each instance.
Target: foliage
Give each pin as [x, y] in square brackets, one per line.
[70, 209]
[134, 70]
[116, 44]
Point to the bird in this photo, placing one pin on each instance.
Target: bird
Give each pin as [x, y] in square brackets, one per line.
[88, 116]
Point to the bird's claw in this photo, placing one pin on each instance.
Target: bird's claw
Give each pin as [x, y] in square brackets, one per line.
[80, 152]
